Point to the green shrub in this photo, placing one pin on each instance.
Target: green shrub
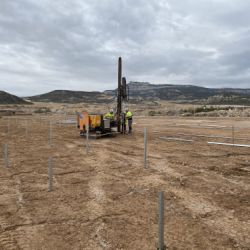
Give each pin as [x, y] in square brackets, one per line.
[42, 110]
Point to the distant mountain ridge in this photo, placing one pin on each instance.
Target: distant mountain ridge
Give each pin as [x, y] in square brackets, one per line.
[186, 93]
[145, 91]
[6, 98]
[69, 96]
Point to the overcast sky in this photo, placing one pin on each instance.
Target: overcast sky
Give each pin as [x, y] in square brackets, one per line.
[75, 44]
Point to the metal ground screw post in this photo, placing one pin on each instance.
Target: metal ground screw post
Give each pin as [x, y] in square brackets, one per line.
[5, 155]
[145, 148]
[87, 138]
[161, 245]
[50, 133]
[8, 127]
[50, 174]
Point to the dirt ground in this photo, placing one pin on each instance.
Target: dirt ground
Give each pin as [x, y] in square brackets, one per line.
[104, 198]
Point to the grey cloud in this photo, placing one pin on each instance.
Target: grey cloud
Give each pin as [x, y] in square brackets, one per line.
[74, 44]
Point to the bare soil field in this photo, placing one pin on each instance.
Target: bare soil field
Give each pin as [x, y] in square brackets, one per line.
[104, 198]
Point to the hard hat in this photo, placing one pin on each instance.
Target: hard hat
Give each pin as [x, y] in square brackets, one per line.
[111, 111]
[126, 109]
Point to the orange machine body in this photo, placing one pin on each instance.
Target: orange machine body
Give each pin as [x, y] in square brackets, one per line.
[94, 121]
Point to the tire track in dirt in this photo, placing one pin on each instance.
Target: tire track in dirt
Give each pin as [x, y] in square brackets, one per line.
[210, 214]
[7, 241]
[26, 237]
[214, 216]
[109, 163]
[96, 206]
[20, 238]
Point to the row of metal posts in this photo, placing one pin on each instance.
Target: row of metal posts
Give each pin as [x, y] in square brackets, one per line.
[50, 177]
[50, 174]
[161, 245]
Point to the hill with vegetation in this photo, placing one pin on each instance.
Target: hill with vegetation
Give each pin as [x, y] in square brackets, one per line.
[6, 98]
[186, 93]
[68, 96]
[143, 91]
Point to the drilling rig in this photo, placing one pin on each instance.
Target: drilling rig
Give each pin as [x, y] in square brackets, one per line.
[96, 125]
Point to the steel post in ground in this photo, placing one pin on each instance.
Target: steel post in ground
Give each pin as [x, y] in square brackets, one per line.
[8, 127]
[87, 138]
[145, 148]
[50, 133]
[50, 175]
[119, 95]
[161, 245]
[5, 155]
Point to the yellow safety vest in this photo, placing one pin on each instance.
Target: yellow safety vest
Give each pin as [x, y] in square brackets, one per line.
[129, 115]
[109, 116]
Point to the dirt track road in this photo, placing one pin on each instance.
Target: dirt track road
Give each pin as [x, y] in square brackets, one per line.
[105, 199]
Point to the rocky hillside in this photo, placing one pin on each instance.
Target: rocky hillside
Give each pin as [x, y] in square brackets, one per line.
[153, 92]
[6, 98]
[67, 96]
[186, 93]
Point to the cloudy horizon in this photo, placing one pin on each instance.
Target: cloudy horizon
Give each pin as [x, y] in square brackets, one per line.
[74, 44]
